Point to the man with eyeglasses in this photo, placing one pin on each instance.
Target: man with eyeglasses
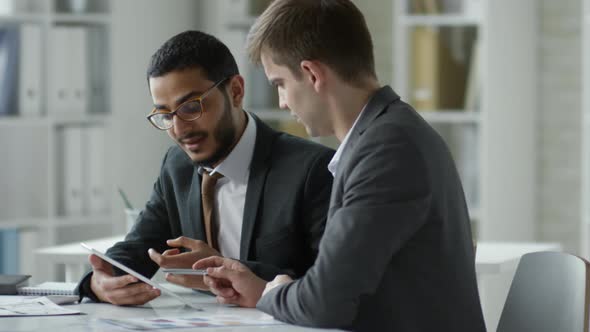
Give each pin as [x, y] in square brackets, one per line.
[231, 186]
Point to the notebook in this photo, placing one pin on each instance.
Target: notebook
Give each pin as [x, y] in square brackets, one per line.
[50, 288]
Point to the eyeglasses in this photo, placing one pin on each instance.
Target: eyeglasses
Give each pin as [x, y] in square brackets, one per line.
[190, 110]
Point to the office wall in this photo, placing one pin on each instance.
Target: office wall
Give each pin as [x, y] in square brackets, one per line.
[558, 122]
[139, 28]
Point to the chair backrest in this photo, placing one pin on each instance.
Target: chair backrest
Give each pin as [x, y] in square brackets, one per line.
[549, 293]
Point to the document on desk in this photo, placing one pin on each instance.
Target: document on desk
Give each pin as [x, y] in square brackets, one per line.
[17, 306]
[210, 320]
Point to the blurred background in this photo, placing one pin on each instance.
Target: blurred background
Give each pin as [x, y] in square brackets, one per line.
[507, 84]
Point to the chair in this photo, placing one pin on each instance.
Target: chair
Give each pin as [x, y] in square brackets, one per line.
[549, 293]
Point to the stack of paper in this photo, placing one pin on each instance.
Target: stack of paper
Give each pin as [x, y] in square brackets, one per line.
[50, 288]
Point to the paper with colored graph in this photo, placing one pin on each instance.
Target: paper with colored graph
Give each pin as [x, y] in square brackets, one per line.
[194, 321]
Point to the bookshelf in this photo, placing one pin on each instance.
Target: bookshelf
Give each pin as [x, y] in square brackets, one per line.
[50, 190]
[468, 66]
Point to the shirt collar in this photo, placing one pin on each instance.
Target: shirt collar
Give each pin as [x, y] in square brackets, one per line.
[333, 165]
[233, 166]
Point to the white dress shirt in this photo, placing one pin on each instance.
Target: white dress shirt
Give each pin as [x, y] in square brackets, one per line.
[230, 192]
[333, 165]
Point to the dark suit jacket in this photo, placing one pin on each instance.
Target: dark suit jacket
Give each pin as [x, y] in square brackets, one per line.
[397, 253]
[284, 213]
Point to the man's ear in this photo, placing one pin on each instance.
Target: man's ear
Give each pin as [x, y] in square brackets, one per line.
[314, 72]
[236, 90]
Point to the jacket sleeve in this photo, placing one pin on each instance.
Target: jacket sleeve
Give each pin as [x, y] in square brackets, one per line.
[385, 200]
[151, 230]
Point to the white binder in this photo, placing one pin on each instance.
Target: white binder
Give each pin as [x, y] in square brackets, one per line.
[73, 193]
[96, 187]
[68, 76]
[97, 51]
[78, 78]
[59, 94]
[30, 68]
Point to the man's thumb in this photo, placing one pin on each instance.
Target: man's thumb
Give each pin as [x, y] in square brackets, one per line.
[98, 264]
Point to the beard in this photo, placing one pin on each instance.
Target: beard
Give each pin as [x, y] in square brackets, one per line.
[225, 135]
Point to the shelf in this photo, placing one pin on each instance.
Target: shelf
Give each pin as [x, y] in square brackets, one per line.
[438, 20]
[59, 120]
[22, 18]
[15, 121]
[71, 119]
[274, 114]
[81, 18]
[40, 222]
[451, 117]
[20, 223]
[105, 219]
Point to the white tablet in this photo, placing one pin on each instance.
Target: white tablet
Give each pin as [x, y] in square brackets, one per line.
[139, 276]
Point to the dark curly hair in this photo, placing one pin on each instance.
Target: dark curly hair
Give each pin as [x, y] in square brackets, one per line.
[193, 49]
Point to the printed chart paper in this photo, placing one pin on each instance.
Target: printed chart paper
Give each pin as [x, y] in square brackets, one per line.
[215, 320]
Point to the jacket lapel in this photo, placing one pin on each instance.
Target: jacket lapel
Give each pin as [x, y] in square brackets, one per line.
[376, 105]
[258, 170]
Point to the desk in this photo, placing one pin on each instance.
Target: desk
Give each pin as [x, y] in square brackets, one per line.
[74, 257]
[498, 257]
[495, 264]
[163, 306]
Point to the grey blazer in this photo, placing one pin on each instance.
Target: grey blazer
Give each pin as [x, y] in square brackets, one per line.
[397, 253]
[284, 212]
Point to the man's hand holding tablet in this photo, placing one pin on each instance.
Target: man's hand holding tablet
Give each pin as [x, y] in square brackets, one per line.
[123, 290]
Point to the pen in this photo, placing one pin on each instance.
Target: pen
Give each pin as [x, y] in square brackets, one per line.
[125, 200]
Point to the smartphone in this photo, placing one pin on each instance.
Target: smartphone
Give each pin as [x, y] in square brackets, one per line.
[186, 271]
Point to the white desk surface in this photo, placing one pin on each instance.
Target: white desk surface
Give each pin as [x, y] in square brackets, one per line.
[163, 306]
[73, 253]
[494, 257]
[490, 256]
